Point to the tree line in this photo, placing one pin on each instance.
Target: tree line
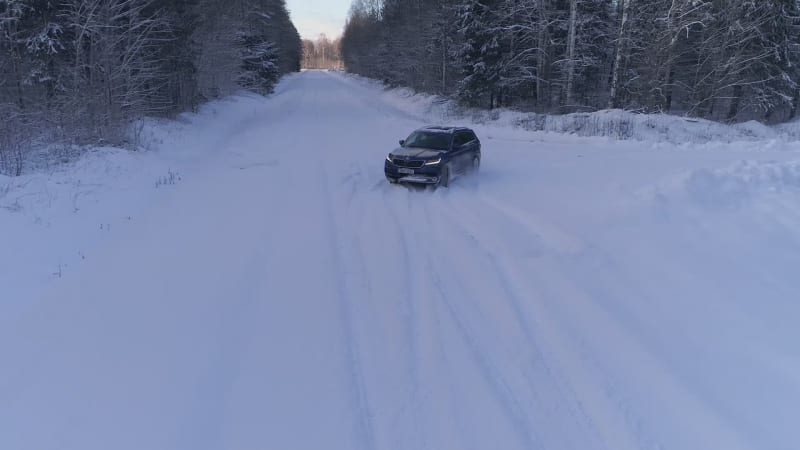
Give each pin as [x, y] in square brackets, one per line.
[322, 53]
[84, 69]
[727, 60]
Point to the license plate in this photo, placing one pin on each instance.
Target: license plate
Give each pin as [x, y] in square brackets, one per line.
[406, 171]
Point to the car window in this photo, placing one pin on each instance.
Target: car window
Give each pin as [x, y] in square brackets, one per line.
[462, 138]
[421, 139]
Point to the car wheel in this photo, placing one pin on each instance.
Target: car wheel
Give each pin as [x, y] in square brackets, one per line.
[392, 180]
[444, 177]
[476, 164]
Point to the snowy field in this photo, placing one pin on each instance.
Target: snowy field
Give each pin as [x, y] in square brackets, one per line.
[252, 282]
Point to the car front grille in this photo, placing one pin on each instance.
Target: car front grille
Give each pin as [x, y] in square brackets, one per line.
[410, 163]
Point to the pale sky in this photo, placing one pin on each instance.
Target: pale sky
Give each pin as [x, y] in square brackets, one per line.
[312, 17]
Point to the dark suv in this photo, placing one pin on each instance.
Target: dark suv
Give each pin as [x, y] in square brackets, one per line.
[434, 155]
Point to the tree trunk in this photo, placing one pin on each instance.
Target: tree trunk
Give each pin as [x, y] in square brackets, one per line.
[668, 88]
[573, 24]
[444, 63]
[16, 62]
[18, 82]
[541, 61]
[735, 101]
[615, 75]
[795, 104]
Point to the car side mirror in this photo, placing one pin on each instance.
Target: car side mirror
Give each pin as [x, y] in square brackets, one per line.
[402, 142]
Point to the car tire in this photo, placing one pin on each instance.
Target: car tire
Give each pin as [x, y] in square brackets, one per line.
[444, 177]
[476, 164]
[391, 180]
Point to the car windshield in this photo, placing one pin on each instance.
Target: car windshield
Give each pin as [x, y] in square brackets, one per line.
[423, 139]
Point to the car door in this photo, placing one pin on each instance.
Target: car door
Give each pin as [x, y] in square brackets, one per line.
[469, 148]
[460, 151]
[474, 148]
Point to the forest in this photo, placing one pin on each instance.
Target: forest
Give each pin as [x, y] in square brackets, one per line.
[81, 71]
[725, 60]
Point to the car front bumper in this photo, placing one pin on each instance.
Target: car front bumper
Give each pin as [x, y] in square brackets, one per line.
[418, 179]
[422, 175]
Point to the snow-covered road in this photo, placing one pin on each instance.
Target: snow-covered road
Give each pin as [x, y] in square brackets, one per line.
[578, 294]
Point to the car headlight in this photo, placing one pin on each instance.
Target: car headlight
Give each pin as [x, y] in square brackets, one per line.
[434, 162]
[389, 158]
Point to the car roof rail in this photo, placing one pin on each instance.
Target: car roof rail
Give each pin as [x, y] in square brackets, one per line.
[444, 129]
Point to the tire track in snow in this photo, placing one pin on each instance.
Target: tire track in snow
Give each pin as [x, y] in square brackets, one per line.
[571, 342]
[411, 324]
[365, 428]
[498, 384]
[432, 365]
[514, 295]
[550, 235]
[355, 206]
[411, 311]
[623, 425]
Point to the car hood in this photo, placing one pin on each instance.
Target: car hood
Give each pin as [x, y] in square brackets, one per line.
[416, 153]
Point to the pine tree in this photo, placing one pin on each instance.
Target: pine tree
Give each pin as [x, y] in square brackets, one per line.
[178, 55]
[771, 79]
[593, 52]
[480, 53]
[259, 70]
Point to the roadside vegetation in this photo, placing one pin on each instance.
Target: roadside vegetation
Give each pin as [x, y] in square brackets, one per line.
[728, 61]
[81, 72]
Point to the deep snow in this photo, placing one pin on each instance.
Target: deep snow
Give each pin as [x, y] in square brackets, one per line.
[276, 292]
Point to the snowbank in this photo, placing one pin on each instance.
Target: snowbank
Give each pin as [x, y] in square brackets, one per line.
[72, 200]
[743, 182]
